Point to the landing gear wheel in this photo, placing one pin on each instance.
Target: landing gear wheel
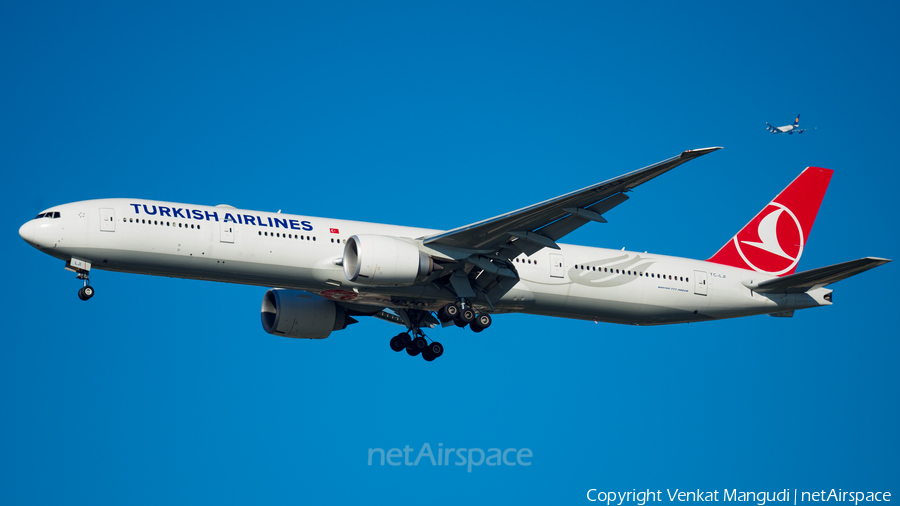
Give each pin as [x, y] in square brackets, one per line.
[481, 322]
[448, 312]
[403, 339]
[395, 343]
[459, 323]
[86, 293]
[418, 345]
[467, 316]
[433, 351]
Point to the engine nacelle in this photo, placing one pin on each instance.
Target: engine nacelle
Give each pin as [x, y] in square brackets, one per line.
[294, 313]
[384, 261]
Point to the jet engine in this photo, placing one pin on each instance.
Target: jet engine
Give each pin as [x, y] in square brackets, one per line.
[294, 313]
[384, 261]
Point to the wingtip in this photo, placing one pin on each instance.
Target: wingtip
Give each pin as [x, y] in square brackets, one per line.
[693, 153]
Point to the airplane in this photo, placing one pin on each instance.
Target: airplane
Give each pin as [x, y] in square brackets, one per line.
[787, 129]
[326, 272]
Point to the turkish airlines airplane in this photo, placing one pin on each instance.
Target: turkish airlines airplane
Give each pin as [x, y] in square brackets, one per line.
[329, 272]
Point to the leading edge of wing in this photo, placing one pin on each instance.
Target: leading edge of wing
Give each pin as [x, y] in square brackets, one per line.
[484, 233]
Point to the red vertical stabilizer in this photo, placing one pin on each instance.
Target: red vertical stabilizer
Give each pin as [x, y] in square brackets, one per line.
[773, 241]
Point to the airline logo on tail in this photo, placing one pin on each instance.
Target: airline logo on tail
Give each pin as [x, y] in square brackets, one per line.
[778, 230]
[773, 242]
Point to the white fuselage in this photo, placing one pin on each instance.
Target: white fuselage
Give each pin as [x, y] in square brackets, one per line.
[302, 252]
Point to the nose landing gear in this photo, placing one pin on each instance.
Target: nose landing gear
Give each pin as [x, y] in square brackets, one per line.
[83, 270]
[86, 292]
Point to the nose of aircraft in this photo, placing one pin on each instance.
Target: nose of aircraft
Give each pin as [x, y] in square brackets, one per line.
[26, 231]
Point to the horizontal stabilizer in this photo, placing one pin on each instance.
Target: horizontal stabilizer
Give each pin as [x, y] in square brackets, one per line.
[803, 281]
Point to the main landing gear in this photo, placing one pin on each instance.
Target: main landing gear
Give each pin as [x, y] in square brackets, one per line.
[414, 340]
[462, 313]
[417, 345]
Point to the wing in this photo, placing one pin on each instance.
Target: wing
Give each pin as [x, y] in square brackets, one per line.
[539, 226]
[772, 128]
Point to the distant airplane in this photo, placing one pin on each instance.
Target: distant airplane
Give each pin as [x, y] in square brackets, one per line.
[787, 129]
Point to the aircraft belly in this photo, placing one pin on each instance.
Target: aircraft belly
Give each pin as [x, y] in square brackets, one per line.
[613, 311]
[195, 267]
[640, 302]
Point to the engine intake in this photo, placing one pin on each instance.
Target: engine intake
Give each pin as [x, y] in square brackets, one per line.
[298, 314]
[384, 261]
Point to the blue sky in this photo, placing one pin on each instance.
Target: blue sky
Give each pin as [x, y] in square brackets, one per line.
[439, 115]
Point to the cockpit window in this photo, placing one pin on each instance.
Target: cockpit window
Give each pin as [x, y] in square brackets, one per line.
[54, 214]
